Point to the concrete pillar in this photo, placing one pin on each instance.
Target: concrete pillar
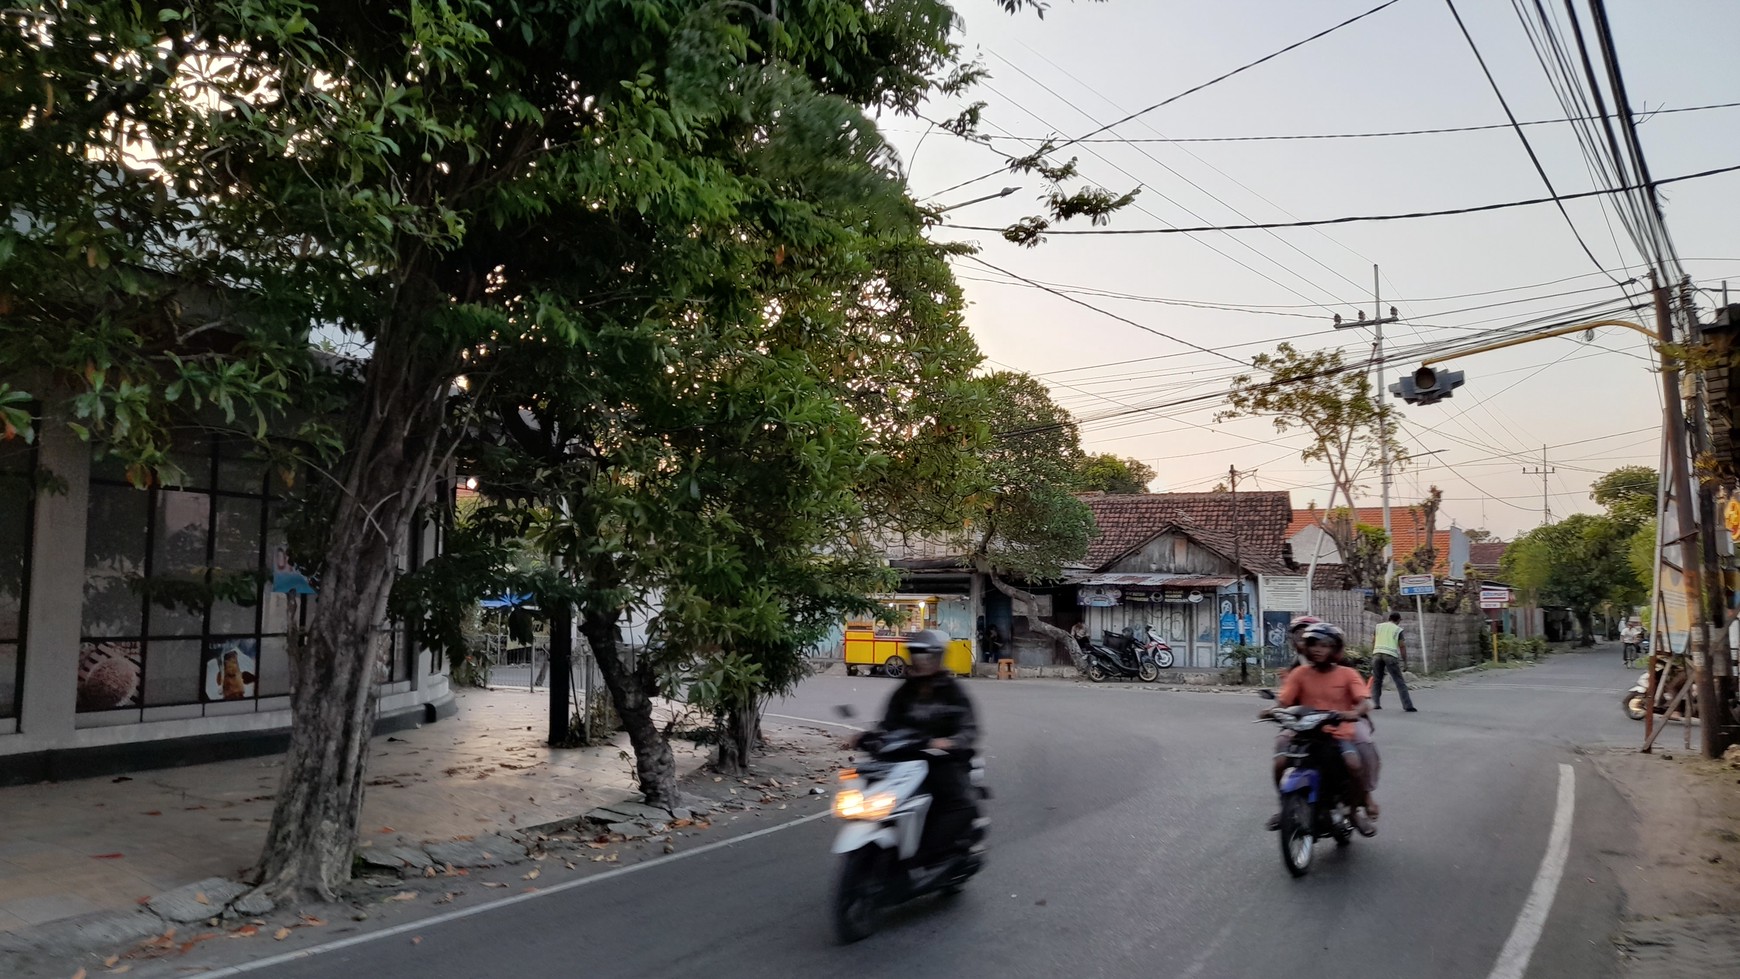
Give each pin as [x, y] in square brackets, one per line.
[57, 581]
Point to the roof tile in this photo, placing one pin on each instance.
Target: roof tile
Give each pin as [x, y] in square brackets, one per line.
[1254, 521]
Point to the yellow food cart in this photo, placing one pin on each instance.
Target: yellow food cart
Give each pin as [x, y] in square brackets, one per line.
[878, 649]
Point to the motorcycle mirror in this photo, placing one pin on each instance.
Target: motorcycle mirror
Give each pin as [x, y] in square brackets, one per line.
[845, 710]
[1266, 694]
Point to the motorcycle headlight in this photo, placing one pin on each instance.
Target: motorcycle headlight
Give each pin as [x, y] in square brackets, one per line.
[853, 804]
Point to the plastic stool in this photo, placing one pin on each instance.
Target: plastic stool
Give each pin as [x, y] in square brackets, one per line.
[1005, 669]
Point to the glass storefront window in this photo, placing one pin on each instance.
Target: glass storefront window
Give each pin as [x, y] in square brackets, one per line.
[114, 551]
[178, 552]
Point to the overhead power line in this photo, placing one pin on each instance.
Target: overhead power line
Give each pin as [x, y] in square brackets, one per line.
[1189, 91]
[1355, 219]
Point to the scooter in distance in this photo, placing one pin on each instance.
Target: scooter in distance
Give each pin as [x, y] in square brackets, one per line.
[1119, 655]
[1314, 787]
[885, 856]
[1154, 647]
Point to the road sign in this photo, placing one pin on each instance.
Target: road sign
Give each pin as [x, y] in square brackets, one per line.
[1417, 584]
[1494, 596]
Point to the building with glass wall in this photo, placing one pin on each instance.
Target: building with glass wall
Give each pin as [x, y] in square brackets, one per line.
[97, 677]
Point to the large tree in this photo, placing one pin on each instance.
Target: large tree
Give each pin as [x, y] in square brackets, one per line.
[427, 182]
[1581, 563]
[1350, 427]
[1017, 519]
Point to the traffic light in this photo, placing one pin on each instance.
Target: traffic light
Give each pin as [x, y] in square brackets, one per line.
[1426, 386]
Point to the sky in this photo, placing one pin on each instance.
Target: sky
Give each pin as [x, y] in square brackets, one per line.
[1595, 405]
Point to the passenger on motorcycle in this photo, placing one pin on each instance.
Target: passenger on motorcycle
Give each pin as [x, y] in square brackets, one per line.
[1326, 683]
[935, 704]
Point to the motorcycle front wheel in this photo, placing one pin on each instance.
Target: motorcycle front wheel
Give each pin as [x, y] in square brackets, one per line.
[1148, 671]
[858, 895]
[1297, 841]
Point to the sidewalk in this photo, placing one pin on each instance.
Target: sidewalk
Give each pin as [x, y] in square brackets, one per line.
[101, 845]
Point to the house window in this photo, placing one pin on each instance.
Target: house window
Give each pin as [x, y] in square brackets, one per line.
[136, 653]
[17, 469]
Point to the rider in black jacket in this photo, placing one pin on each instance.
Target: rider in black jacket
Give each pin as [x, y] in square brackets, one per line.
[934, 703]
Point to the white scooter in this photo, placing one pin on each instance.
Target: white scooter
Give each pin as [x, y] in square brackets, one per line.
[883, 862]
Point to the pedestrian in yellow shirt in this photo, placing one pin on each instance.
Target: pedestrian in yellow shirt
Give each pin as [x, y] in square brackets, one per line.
[1389, 652]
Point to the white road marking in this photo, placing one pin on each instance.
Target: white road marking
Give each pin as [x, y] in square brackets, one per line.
[440, 919]
[811, 720]
[1513, 959]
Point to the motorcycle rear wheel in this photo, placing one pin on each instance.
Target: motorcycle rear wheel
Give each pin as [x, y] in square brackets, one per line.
[1633, 704]
[1148, 671]
[1297, 841]
[857, 905]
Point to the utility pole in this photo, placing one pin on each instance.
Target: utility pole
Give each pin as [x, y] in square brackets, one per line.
[1377, 325]
[1544, 471]
[1232, 482]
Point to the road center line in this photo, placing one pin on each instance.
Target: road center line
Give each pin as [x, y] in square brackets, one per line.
[423, 924]
[1513, 959]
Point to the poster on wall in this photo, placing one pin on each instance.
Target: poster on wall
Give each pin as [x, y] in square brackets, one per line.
[108, 675]
[229, 670]
[1098, 596]
[1275, 648]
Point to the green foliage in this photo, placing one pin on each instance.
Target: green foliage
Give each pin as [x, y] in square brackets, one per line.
[1580, 562]
[1628, 493]
[1016, 515]
[1108, 473]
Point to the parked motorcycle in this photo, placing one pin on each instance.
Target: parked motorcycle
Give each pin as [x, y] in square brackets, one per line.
[1155, 648]
[1636, 700]
[1314, 787]
[886, 858]
[1119, 655]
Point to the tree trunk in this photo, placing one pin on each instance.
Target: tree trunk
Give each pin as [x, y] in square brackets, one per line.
[630, 691]
[333, 702]
[1029, 609]
[1586, 622]
[737, 736]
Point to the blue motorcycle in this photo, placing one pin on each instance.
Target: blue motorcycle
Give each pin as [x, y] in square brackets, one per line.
[1314, 787]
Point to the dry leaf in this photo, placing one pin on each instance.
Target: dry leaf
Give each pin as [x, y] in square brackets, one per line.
[109, 963]
[281, 934]
[568, 864]
[493, 883]
[125, 967]
[404, 896]
[79, 974]
[530, 876]
[428, 871]
[312, 920]
[416, 939]
[245, 931]
[386, 829]
[200, 897]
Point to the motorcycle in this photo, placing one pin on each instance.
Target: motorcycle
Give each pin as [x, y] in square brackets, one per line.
[1155, 648]
[885, 856]
[1636, 700]
[1119, 655]
[1314, 787]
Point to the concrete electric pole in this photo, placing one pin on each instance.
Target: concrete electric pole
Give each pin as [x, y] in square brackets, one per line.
[1544, 471]
[1377, 326]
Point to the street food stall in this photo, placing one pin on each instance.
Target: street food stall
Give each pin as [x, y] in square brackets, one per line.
[878, 648]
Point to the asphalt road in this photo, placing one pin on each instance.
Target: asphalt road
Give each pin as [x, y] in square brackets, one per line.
[1127, 841]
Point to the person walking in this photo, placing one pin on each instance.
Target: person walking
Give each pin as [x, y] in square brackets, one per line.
[1389, 651]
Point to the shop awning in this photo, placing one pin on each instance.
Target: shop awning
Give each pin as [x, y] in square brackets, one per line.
[1154, 581]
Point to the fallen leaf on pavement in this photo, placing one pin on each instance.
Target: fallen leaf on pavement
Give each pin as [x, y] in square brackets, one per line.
[200, 897]
[568, 863]
[281, 934]
[428, 871]
[117, 970]
[404, 896]
[416, 939]
[386, 829]
[155, 812]
[107, 856]
[529, 890]
[109, 963]
[245, 931]
[79, 974]
[533, 875]
[493, 883]
[312, 920]
[447, 898]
